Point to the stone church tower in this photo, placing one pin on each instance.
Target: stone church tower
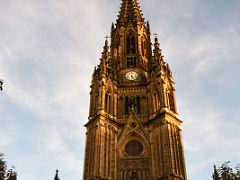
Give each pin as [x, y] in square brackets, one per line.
[133, 132]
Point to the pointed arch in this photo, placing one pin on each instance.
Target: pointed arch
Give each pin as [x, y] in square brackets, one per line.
[144, 105]
[120, 105]
[131, 42]
[108, 103]
[133, 135]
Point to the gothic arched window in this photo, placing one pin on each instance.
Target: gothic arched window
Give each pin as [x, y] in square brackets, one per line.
[120, 106]
[142, 46]
[138, 105]
[155, 102]
[171, 101]
[128, 45]
[107, 105]
[126, 105]
[131, 62]
[158, 100]
[106, 102]
[131, 44]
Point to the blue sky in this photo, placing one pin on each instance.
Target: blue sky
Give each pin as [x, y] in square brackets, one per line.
[48, 50]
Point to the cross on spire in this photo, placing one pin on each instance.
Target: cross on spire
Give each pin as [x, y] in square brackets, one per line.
[155, 34]
[107, 37]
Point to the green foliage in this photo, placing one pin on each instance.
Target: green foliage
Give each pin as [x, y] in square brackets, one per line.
[226, 172]
[6, 174]
[3, 166]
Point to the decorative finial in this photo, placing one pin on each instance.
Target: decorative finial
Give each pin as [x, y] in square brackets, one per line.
[106, 41]
[156, 37]
[107, 37]
[56, 176]
[148, 24]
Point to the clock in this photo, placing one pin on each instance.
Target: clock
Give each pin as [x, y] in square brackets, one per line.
[132, 75]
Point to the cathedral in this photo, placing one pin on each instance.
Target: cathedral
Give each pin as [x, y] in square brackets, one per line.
[133, 130]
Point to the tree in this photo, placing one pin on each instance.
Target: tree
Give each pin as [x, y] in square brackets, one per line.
[237, 173]
[226, 172]
[3, 167]
[4, 173]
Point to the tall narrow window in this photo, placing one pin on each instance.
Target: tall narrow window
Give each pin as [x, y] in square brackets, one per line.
[171, 101]
[138, 105]
[107, 105]
[158, 100]
[144, 105]
[167, 98]
[126, 105]
[131, 62]
[96, 102]
[134, 62]
[128, 44]
[143, 47]
[155, 102]
[133, 48]
[131, 44]
[119, 109]
[106, 102]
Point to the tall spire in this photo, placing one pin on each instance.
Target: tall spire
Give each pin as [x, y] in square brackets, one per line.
[130, 13]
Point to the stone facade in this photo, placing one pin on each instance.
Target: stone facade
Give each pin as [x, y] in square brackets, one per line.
[133, 131]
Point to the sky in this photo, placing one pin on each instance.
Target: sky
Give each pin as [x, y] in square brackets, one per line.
[48, 50]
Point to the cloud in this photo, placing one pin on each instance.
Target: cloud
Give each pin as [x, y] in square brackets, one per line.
[46, 65]
[56, 145]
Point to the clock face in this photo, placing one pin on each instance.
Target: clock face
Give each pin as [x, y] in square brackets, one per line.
[132, 75]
